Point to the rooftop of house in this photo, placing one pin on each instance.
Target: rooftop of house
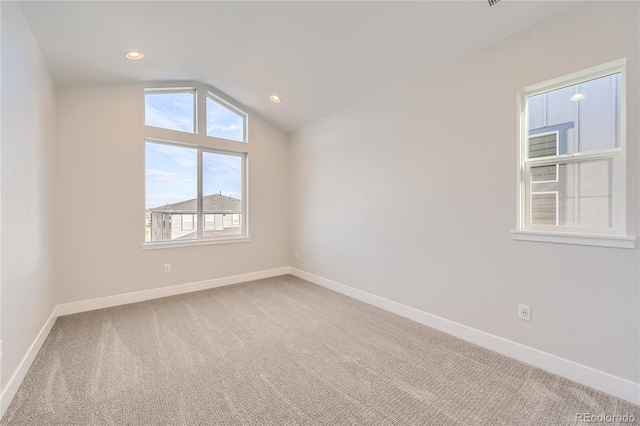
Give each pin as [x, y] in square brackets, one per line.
[211, 204]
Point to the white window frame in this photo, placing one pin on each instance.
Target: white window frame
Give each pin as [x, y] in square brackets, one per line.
[173, 90]
[235, 109]
[202, 143]
[614, 236]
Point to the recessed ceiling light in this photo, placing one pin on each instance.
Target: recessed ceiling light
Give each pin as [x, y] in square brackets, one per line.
[133, 55]
[275, 98]
[577, 97]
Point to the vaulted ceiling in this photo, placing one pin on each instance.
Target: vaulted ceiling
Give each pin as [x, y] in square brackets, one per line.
[319, 57]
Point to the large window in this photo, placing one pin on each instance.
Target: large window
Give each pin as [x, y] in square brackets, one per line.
[195, 192]
[572, 179]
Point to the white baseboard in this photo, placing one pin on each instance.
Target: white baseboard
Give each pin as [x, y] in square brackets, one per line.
[156, 293]
[16, 379]
[588, 376]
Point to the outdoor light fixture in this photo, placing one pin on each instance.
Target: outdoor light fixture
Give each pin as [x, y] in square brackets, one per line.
[275, 98]
[133, 55]
[577, 97]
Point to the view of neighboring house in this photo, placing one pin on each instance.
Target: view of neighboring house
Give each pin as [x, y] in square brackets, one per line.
[179, 221]
[575, 119]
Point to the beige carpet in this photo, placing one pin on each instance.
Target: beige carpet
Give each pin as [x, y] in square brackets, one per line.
[281, 351]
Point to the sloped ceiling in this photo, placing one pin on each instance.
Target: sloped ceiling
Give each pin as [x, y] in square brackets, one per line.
[319, 57]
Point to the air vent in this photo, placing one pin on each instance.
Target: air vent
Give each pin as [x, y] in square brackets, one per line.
[492, 2]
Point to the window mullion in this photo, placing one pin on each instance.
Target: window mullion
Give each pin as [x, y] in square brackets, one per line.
[200, 215]
[619, 196]
[244, 217]
[573, 158]
[526, 204]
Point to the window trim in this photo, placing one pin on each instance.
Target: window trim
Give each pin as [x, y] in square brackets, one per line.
[191, 243]
[614, 236]
[615, 241]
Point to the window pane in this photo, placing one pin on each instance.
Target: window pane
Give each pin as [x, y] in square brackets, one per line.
[172, 110]
[171, 191]
[579, 196]
[222, 194]
[586, 116]
[223, 122]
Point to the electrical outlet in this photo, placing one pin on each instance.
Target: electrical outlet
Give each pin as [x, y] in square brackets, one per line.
[167, 267]
[524, 312]
[297, 254]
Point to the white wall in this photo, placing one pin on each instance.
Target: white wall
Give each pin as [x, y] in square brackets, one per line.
[27, 143]
[100, 201]
[410, 195]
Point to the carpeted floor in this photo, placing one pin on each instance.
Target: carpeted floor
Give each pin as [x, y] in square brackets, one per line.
[281, 351]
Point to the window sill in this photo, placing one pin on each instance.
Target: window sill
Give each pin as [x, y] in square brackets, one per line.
[617, 241]
[175, 244]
